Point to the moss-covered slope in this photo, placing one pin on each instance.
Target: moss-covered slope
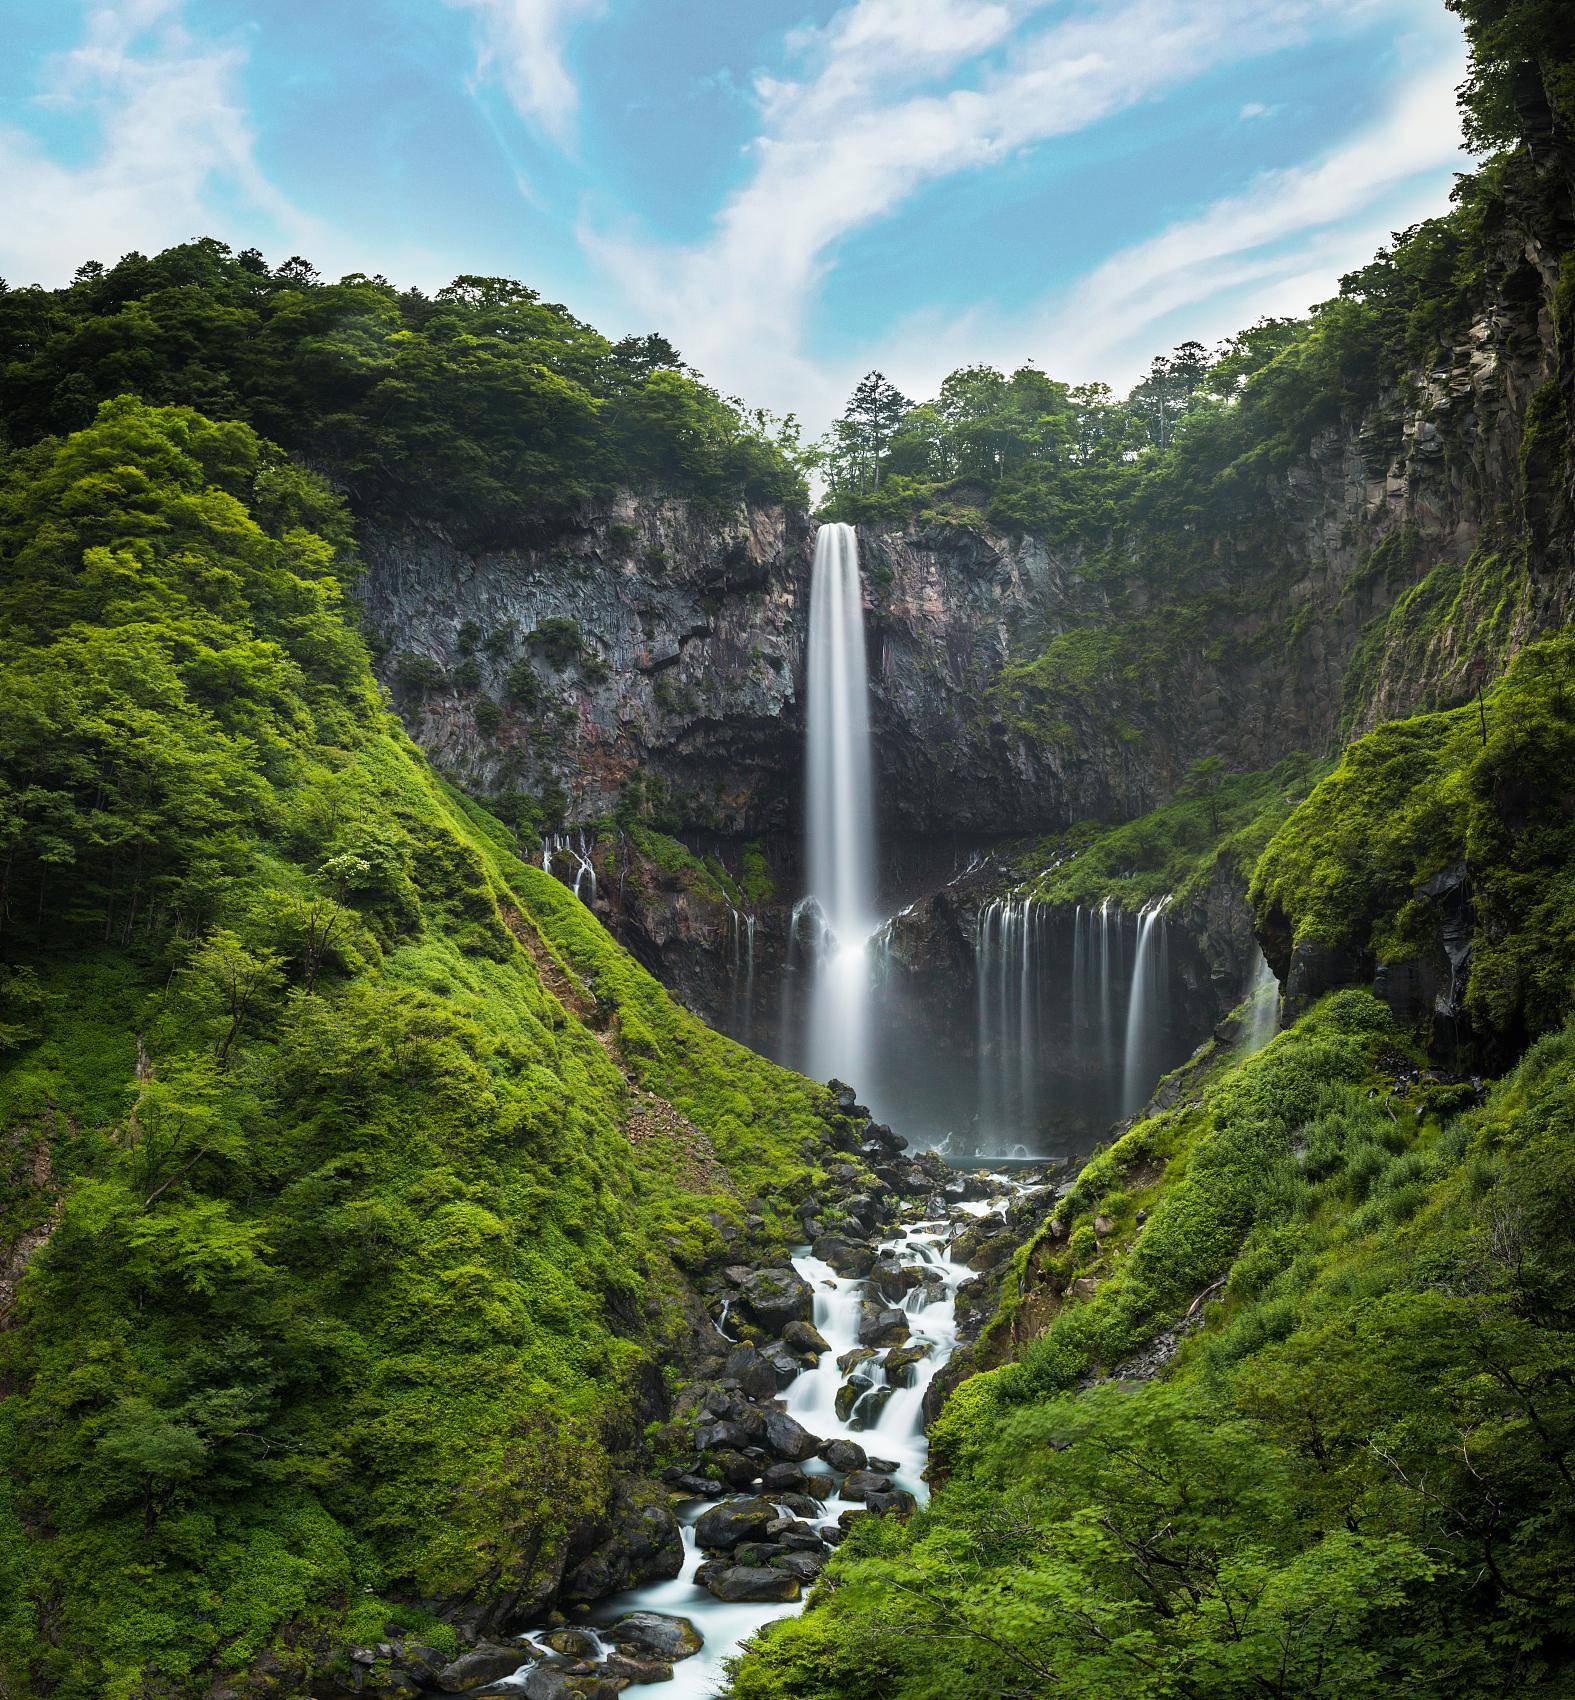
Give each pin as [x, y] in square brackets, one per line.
[348, 1160]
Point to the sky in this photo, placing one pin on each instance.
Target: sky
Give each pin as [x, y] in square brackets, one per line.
[793, 191]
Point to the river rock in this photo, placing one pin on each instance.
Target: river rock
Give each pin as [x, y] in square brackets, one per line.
[848, 1258]
[782, 1361]
[486, 1663]
[899, 1363]
[754, 1373]
[731, 1467]
[740, 1582]
[805, 1339]
[885, 1466]
[775, 1297]
[554, 1681]
[858, 1484]
[844, 1454]
[804, 1565]
[852, 1360]
[573, 1643]
[879, 1327]
[722, 1527]
[788, 1438]
[638, 1540]
[637, 1670]
[897, 1503]
[656, 1635]
[784, 1479]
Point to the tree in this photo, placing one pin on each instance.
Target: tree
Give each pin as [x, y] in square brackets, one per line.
[874, 411]
[236, 980]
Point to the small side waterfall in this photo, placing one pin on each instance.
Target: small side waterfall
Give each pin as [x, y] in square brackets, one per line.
[743, 964]
[1145, 1007]
[840, 808]
[1008, 963]
[1263, 1015]
[577, 846]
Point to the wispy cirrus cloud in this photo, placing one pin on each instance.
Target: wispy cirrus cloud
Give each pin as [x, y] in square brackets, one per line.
[522, 46]
[171, 148]
[906, 93]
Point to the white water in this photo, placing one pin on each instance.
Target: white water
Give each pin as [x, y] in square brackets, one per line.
[1145, 1007]
[1009, 952]
[1263, 1018]
[897, 1436]
[839, 807]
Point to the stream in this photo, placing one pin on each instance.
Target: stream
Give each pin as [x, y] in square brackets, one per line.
[895, 1437]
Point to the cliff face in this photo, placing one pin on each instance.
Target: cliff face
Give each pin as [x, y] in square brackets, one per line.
[651, 643]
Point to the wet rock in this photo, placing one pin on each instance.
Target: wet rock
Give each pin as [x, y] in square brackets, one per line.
[852, 1360]
[858, 1484]
[806, 1566]
[738, 1583]
[755, 1375]
[867, 1410]
[805, 1339]
[637, 1670]
[782, 1361]
[886, 1466]
[897, 1503]
[879, 1327]
[486, 1663]
[784, 1479]
[722, 1527]
[901, 1361]
[730, 1467]
[751, 1555]
[554, 1681]
[850, 1259]
[893, 1282]
[808, 1504]
[844, 1455]
[573, 1643]
[655, 1634]
[423, 1662]
[788, 1438]
[637, 1540]
[772, 1298]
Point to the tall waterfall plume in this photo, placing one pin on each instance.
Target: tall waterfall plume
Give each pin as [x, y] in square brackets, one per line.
[1145, 1007]
[840, 806]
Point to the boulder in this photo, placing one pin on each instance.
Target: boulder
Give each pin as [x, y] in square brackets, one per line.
[805, 1339]
[859, 1484]
[850, 1259]
[730, 1467]
[486, 1663]
[554, 1681]
[783, 1479]
[746, 1582]
[788, 1438]
[637, 1670]
[573, 1643]
[844, 1455]
[804, 1565]
[722, 1527]
[899, 1363]
[898, 1503]
[749, 1367]
[783, 1362]
[880, 1327]
[656, 1635]
[772, 1298]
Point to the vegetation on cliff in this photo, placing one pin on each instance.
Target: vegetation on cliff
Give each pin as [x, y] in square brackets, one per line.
[482, 407]
[1353, 1478]
[354, 1159]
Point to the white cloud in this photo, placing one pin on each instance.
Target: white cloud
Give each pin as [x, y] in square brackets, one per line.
[907, 92]
[174, 146]
[522, 45]
[1255, 109]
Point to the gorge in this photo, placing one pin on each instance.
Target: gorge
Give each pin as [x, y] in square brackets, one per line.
[634, 1054]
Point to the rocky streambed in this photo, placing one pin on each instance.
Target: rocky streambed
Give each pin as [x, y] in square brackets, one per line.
[813, 1418]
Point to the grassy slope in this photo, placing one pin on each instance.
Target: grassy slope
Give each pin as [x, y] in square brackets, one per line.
[350, 1315]
[1356, 1474]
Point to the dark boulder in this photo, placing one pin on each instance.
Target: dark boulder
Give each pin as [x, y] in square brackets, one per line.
[656, 1635]
[898, 1503]
[805, 1339]
[849, 1259]
[844, 1455]
[746, 1582]
[749, 1367]
[859, 1484]
[722, 1527]
[772, 1298]
[788, 1438]
[880, 1327]
[486, 1663]
[637, 1540]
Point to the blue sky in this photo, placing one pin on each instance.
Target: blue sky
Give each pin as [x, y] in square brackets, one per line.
[792, 190]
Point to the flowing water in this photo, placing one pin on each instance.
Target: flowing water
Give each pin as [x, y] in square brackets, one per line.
[1263, 1018]
[896, 1435]
[1145, 1008]
[839, 808]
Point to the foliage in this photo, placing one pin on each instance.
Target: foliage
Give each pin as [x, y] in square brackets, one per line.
[1486, 787]
[1352, 1482]
[483, 406]
[319, 1097]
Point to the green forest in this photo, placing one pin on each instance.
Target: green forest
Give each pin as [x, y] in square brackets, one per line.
[379, 1205]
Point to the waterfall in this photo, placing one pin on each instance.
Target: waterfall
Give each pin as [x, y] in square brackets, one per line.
[742, 936]
[1008, 950]
[1145, 1007]
[1263, 1014]
[840, 806]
